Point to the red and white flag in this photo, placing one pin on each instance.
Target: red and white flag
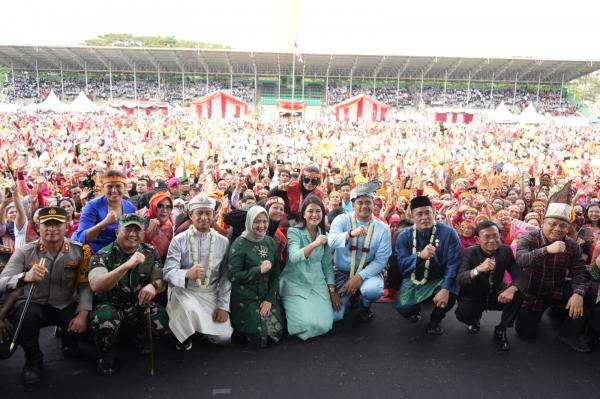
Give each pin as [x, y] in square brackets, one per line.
[298, 55]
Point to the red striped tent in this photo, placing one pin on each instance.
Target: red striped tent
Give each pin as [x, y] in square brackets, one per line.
[361, 108]
[220, 105]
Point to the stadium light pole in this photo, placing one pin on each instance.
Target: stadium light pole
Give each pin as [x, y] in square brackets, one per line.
[135, 89]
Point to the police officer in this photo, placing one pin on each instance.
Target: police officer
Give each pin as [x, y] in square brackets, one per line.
[58, 267]
[125, 277]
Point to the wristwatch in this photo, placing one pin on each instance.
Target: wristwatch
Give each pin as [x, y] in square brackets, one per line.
[331, 290]
[419, 255]
[155, 284]
[475, 272]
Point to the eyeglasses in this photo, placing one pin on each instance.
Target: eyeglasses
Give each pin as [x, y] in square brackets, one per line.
[314, 182]
[162, 206]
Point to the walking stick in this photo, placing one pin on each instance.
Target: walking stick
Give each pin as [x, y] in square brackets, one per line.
[150, 343]
[25, 308]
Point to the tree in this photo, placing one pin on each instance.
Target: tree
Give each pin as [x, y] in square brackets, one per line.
[129, 40]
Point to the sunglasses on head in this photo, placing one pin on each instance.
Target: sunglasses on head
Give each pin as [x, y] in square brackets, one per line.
[161, 206]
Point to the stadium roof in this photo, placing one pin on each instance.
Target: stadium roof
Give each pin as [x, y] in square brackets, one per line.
[232, 62]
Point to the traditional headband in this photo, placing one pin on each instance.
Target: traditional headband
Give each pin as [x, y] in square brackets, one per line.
[114, 179]
[542, 203]
[274, 200]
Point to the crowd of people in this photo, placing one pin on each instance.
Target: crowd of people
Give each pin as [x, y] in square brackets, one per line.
[257, 229]
[548, 102]
[172, 91]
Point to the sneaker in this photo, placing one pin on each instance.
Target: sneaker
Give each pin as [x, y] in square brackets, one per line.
[185, 345]
[474, 328]
[106, 365]
[434, 328]
[365, 315]
[577, 344]
[501, 340]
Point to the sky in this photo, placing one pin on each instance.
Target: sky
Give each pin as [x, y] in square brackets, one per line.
[548, 29]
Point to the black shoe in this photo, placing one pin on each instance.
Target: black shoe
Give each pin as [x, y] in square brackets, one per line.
[71, 351]
[415, 318]
[435, 328]
[185, 345]
[143, 345]
[106, 365]
[577, 344]
[32, 371]
[365, 315]
[354, 302]
[473, 328]
[501, 340]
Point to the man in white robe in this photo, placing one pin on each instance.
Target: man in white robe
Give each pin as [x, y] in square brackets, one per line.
[199, 286]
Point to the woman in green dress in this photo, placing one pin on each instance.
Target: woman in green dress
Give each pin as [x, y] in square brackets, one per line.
[307, 284]
[254, 274]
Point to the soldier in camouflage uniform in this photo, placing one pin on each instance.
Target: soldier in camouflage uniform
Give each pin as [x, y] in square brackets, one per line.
[125, 277]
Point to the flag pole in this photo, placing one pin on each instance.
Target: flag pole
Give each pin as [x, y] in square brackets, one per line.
[293, 82]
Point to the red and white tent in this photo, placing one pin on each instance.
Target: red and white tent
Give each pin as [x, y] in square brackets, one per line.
[147, 107]
[361, 108]
[220, 105]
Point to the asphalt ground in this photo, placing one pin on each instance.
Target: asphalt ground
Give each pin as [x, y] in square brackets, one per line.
[387, 358]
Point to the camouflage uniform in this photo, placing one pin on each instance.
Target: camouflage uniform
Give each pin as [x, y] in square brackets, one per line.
[119, 306]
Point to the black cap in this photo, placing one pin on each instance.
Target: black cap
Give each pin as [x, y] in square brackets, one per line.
[52, 213]
[419, 202]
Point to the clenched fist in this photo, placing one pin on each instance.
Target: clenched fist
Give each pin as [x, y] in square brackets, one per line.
[557, 247]
[196, 272]
[265, 266]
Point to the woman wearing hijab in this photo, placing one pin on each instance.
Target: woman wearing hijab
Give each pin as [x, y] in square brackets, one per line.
[160, 225]
[307, 284]
[254, 275]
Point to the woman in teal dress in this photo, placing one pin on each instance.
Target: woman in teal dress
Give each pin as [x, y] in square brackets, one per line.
[307, 285]
[254, 274]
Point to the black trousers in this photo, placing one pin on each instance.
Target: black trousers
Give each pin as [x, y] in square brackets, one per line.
[39, 316]
[528, 321]
[437, 315]
[469, 310]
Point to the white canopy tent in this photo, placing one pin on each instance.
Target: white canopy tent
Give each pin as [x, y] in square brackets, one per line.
[51, 103]
[503, 115]
[82, 104]
[531, 116]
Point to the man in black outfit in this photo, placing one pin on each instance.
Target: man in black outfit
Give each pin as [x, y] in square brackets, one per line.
[481, 282]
